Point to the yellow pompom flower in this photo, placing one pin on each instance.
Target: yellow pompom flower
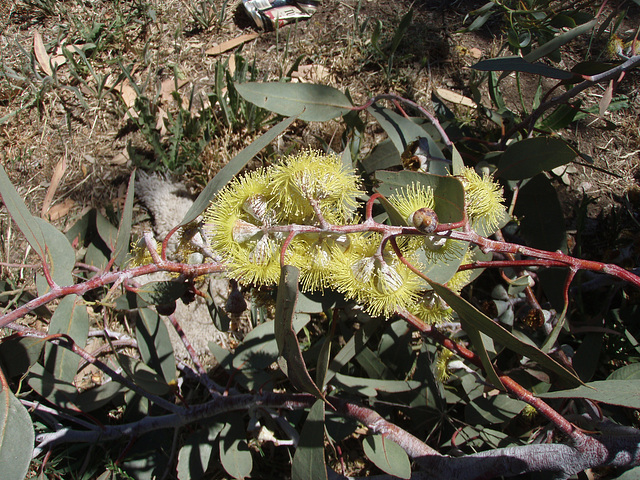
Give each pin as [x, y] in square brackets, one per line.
[313, 255]
[414, 198]
[140, 253]
[314, 176]
[483, 200]
[432, 309]
[442, 364]
[235, 221]
[461, 278]
[383, 284]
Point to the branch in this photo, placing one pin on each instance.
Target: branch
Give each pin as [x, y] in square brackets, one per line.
[613, 73]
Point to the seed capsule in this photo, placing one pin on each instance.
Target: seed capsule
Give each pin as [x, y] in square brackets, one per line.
[424, 220]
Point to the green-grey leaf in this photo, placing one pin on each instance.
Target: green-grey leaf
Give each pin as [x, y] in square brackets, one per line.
[286, 337]
[540, 215]
[234, 452]
[531, 156]
[387, 455]
[16, 437]
[370, 387]
[384, 155]
[312, 103]
[58, 254]
[498, 333]
[154, 344]
[59, 392]
[232, 168]
[519, 64]
[308, 461]
[70, 318]
[124, 231]
[614, 392]
[559, 40]
[108, 231]
[402, 131]
[194, 456]
[21, 215]
[628, 372]
[144, 376]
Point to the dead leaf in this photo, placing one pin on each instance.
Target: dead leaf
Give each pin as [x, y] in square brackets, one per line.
[161, 125]
[59, 210]
[58, 173]
[128, 93]
[121, 158]
[605, 101]
[310, 74]
[475, 52]
[230, 44]
[41, 53]
[454, 97]
[168, 86]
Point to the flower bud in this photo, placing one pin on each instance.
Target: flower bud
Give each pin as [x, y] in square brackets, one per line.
[424, 220]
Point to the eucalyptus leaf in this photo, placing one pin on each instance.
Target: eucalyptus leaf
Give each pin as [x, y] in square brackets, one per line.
[235, 455]
[308, 461]
[403, 131]
[559, 40]
[540, 215]
[370, 387]
[195, 454]
[286, 337]
[519, 64]
[387, 455]
[482, 323]
[628, 372]
[108, 231]
[58, 255]
[155, 345]
[71, 319]
[531, 156]
[162, 292]
[614, 392]
[310, 102]
[16, 436]
[124, 231]
[232, 168]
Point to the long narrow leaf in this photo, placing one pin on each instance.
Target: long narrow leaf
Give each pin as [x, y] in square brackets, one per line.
[124, 232]
[232, 168]
[288, 346]
[484, 324]
[308, 461]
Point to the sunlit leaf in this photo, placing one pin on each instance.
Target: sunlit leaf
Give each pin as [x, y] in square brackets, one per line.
[16, 435]
[70, 318]
[615, 392]
[59, 256]
[387, 455]
[286, 337]
[310, 102]
[124, 231]
[232, 168]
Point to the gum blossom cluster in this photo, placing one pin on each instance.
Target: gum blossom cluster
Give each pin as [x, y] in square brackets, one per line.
[316, 196]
